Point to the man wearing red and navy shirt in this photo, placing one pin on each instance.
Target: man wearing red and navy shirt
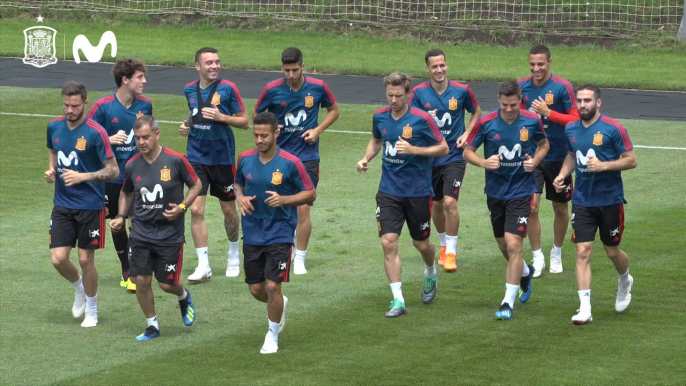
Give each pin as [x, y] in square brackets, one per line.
[599, 149]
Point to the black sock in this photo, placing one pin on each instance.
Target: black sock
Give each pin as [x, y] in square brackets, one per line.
[121, 245]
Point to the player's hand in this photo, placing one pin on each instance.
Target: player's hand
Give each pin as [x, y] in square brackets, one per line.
[212, 113]
[540, 107]
[310, 136]
[595, 165]
[404, 147]
[119, 138]
[433, 112]
[244, 202]
[173, 212]
[492, 162]
[184, 128]
[71, 177]
[462, 141]
[559, 184]
[529, 164]
[275, 200]
[362, 165]
[117, 224]
[49, 176]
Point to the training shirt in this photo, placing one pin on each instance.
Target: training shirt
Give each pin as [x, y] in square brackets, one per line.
[512, 142]
[297, 111]
[115, 117]
[284, 174]
[405, 175]
[154, 186]
[451, 107]
[211, 142]
[559, 96]
[606, 139]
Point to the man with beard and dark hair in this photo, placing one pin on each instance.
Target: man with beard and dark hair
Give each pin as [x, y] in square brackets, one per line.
[600, 149]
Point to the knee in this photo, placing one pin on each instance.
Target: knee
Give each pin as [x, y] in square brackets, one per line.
[583, 254]
[613, 252]
[534, 210]
[388, 245]
[256, 290]
[197, 211]
[273, 288]
[513, 248]
[86, 261]
[424, 246]
[561, 209]
[450, 204]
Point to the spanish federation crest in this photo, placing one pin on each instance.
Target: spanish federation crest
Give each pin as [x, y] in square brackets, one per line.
[276, 178]
[523, 134]
[452, 104]
[39, 46]
[309, 101]
[140, 114]
[407, 131]
[216, 99]
[81, 144]
[597, 139]
[165, 174]
[549, 98]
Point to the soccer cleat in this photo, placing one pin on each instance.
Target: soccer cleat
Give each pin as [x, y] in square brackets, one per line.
[555, 262]
[200, 275]
[624, 296]
[233, 268]
[270, 346]
[429, 290]
[282, 323]
[539, 266]
[130, 286]
[79, 306]
[122, 282]
[441, 256]
[504, 313]
[187, 309]
[91, 320]
[450, 264]
[299, 266]
[525, 285]
[582, 317]
[397, 309]
[150, 333]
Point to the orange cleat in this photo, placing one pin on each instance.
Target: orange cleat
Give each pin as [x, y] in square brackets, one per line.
[450, 263]
[441, 258]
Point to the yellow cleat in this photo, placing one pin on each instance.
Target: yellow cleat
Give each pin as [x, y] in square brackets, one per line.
[441, 258]
[130, 286]
[450, 263]
[123, 283]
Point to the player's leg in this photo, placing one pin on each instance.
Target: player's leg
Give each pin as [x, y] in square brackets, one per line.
[120, 238]
[91, 236]
[451, 192]
[304, 229]
[276, 271]
[437, 211]
[584, 225]
[561, 210]
[390, 219]
[199, 231]
[141, 268]
[62, 239]
[611, 231]
[231, 227]
[418, 218]
[534, 230]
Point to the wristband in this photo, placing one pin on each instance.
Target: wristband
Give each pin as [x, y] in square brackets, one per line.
[183, 208]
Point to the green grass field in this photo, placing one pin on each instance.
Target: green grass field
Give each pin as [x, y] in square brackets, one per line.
[336, 331]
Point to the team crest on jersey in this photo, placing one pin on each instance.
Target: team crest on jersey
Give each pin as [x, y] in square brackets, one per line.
[139, 115]
[407, 131]
[523, 134]
[81, 144]
[309, 101]
[549, 99]
[216, 99]
[277, 177]
[165, 174]
[597, 139]
[452, 103]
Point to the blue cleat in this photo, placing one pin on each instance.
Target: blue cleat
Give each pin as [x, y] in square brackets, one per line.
[187, 309]
[150, 333]
[504, 313]
[525, 286]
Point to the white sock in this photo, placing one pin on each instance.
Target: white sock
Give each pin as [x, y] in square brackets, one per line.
[430, 272]
[92, 304]
[233, 251]
[182, 296]
[510, 294]
[396, 289]
[525, 270]
[295, 240]
[557, 250]
[203, 257]
[624, 279]
[585, 300]
[153, 322]
[79, 285]
[451, 245]
[273, 331]
[538, 254]
[300, 255]
[441, 238]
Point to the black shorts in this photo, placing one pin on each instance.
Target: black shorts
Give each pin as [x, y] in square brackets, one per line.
[112, 192]
[447, 180]
[393, 211]
[69, 225]
[545, 174]
[312, 169]
[218, 179]
[511, 216]
[267, 262]
[165, 260]
[587, 220]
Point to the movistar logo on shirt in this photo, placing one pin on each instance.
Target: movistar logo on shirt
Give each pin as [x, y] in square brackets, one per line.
[582, 160]
[440, 122]
[294, 122]
[152, 197]
[63, 160]
[390, 151]
[507, 154]
[129, 139]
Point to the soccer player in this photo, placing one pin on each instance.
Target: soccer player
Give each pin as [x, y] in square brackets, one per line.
[553, 99]
[296, 99]
[117, 113]
[154, 181]
[270, 184]
[446, 100]
[510, 136]
[216, 107]
[80, 159]
[409, 136]
[600, 149]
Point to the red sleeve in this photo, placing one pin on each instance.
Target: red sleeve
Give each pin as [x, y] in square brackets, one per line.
[564, 119]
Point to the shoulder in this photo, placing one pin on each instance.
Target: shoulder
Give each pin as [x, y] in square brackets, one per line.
[382, 110]
[528, 114]
[173, 153]
[56, 121]
[487, 117]
[274, 83]
[103, 101]
[142, 98]
[248, 153]
[421, 86]
[573, 125]
[132, 161]
[315, 81]
[97, 128]
[458, 85]
[227, 84]
[290, 158]
[421, 114]
[524, 80]
[190, 84]
[566, 85]
[611, 122]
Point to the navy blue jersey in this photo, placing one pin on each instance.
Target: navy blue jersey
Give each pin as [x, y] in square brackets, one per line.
[450, 110]
[115, 118]
[210, 142]
[82, 150]
[606, 139]
[297, 111]
[559, 95]
[284, 174]
[405, 175]
[512, 142]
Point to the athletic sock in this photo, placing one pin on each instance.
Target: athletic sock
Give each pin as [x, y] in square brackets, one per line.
[538, 254]
[273, 330]
[441, 238]
[120, 240]
[430, 272]
[525, 270]
[153, 322]
[624, 279]
[396, 289]
[451, 245]
[233, 251]
[300, 255]
[510, 294]
[182, 296]
[79, 285]
[203, 257]
[92, 304]
[557, 250]
[585, 300]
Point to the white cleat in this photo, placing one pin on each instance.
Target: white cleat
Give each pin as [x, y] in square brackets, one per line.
[624, 296]
[91, 320]
[233, 268]
[200, 275]
[270, 346]
[282, 323]
[299, 267]
[79, 306]
[582, 317]
[555, 262]
[539, 266]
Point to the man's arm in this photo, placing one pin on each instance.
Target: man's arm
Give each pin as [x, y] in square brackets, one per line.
[626, 161]
[118, 222]
[438, 150]
[462, 140]
[373, 149]
[540, 107]
[301, 198]
[332, 114]
[51, 173]
[109, 172]
[565, 171]
[491, 163]
[192, 193]
[238, 120]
